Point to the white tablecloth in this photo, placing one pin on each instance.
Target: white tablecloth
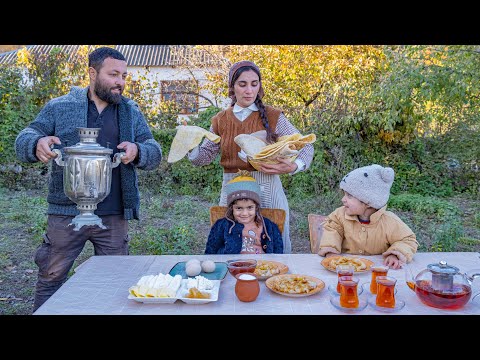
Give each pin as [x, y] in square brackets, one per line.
[100, 286]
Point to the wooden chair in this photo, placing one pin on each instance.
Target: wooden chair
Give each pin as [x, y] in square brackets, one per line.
[315, 227]
[276, 215]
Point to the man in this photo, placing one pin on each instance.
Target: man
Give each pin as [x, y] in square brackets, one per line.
[122, 128]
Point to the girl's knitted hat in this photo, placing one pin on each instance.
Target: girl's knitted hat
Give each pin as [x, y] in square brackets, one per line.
[369, 184]
[243, 186]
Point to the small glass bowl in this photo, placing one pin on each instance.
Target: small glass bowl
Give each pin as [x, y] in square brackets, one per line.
[362, 304]
[238, 266]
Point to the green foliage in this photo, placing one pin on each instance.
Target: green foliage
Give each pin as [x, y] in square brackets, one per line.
[29, 210]
[425, 205]
[446, 236]
[414, 108]
[160, 241]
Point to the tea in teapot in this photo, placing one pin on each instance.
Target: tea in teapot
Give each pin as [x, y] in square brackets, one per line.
[441, 285]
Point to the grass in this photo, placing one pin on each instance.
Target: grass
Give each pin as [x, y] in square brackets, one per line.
[171, 223]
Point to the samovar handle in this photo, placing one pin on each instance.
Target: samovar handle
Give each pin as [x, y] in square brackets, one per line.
[117, 159]
[59, 159]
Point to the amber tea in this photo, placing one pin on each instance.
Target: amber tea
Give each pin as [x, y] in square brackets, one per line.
[385, 291]
[379, 270]
[348, 292]
[344, 270]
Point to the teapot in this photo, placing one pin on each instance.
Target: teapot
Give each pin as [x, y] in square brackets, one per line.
[441, 285]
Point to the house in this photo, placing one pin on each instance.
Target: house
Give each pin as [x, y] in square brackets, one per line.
[160, 63]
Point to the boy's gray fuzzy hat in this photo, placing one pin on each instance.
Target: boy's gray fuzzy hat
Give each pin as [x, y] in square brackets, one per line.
[369, 184]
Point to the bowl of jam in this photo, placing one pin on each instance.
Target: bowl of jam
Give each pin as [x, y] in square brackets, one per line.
[238, 266]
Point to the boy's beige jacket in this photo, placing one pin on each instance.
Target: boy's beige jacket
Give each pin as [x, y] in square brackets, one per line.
[386, 234]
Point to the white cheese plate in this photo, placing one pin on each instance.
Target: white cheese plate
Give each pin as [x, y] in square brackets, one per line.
[180, 295]
[213, 293]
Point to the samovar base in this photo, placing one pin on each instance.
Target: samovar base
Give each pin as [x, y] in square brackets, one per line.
[86, 220]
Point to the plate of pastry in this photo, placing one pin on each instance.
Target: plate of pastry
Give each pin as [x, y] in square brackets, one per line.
[268, 268]
[361, 265]
[294, 285]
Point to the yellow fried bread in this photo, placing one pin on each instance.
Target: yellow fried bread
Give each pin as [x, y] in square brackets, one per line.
[345, 260]
[186, 138]
[294, 285]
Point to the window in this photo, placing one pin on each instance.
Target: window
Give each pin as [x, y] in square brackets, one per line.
[183, 92]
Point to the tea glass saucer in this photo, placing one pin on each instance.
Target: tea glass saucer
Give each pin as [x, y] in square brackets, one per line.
[362, 304]
[367, 289]
[333, 290]
[399, 305]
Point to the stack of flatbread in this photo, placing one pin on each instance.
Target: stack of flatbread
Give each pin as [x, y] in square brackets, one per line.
[186, 138]
[256, 150]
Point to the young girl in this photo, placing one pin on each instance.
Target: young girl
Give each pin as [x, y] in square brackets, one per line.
[363, 225]
[244, 230]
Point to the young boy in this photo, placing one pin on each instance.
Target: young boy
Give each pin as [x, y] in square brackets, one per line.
[363, 225]
[244, 230]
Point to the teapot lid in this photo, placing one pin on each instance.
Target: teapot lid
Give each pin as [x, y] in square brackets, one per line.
[443, 268]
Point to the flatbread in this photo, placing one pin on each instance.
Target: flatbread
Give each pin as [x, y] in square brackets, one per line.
[287, 145]
[186, 138]
[249, 143]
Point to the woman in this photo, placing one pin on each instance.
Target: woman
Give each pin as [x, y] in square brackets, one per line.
[246, 115]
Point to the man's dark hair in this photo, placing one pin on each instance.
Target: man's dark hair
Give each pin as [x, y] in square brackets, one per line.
[97, 56]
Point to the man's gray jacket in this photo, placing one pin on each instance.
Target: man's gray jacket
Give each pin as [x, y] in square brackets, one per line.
[61, 117]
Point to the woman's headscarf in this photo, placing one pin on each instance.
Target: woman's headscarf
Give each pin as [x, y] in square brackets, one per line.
[231, 74]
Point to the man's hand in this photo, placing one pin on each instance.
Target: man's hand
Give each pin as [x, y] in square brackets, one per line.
[285, 166]
[131, 151]
[43, 151]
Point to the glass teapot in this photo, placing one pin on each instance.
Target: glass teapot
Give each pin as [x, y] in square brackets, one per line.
[441, 285]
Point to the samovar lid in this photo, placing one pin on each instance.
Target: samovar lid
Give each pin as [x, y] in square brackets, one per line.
[88, 143]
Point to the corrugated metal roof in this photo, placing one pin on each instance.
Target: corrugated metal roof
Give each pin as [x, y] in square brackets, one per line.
[136, 55]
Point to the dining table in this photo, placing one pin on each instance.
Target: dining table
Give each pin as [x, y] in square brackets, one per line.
[100, 286]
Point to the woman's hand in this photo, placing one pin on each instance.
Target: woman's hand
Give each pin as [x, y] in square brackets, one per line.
[284, 166]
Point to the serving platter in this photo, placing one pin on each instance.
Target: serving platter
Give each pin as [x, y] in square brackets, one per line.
[270, 284]
[280, 267]
[180, 295]
[327, 263]
[219, 273]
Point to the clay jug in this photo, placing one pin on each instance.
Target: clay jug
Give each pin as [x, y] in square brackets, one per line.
[247, 287]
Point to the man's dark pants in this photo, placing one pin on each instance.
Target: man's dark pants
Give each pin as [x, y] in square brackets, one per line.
[62, 245]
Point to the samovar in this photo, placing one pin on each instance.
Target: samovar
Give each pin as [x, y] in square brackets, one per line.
[87, 175]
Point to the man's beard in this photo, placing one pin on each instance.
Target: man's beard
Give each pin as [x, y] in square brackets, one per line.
[106, 95]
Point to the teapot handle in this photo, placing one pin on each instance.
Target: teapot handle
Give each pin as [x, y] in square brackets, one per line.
[473, 274]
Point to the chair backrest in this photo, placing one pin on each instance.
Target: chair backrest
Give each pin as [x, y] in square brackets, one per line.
[276, 215]
[315, 227]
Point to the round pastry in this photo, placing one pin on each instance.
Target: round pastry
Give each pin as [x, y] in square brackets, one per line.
[208, 266]
[193, 269]
[192, 261]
